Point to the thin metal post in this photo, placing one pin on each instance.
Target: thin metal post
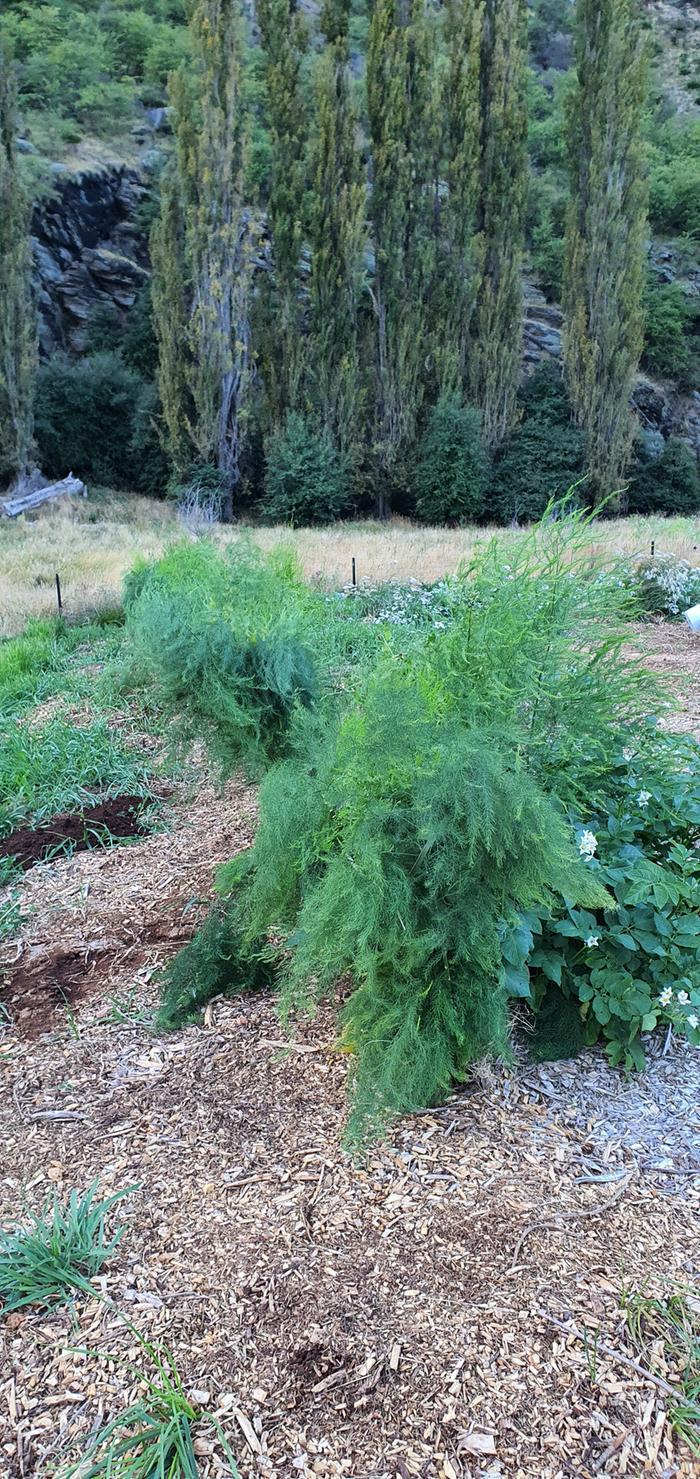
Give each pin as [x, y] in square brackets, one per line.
[354, 571]
[58, 593]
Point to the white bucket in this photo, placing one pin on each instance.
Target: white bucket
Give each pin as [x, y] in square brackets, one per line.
[693, 618]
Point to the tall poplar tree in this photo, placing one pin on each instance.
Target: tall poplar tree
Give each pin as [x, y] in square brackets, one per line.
[18, 334]
[496, 340]
[399, 100]
[203, 255]
[606, 232]
[460, 250]
[284, 41]
[337, 235]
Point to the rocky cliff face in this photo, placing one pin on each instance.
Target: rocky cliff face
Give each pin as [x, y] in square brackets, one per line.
[89, 252]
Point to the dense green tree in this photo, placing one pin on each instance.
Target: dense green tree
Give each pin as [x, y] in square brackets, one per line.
[495, 354]
[606, 230]
[460, 250]
[401, 112]
[284, 42]
[17, 318]
[337, 235]
[203, 254]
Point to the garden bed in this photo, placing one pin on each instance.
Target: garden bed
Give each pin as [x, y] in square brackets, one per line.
[115, 817]
[406, 1316]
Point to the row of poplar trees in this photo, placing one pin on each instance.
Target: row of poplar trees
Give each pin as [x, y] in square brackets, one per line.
[409, 222]
[392, 236]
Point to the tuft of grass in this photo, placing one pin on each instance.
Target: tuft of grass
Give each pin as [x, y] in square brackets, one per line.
[59, 1250]
[153, 1438]
[671, 1324]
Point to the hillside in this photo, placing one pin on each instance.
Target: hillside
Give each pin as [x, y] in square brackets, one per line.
[95, 132]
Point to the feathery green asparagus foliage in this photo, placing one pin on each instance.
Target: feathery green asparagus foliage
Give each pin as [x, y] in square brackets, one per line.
[214, 963]
[393, 849]
[223, 639]
[430, 793]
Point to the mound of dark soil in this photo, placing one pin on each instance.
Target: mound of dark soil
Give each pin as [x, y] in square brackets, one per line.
[92, 826]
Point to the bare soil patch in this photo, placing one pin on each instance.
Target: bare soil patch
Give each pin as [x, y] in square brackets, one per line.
[113, 817]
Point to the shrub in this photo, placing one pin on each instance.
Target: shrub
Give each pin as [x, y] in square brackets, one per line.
[665, 585]
[669, 484]
[60, 1250]
[670, 348]
[85, 417]
[544, 457]
[674, 199]
[452, 466]
[306, 479]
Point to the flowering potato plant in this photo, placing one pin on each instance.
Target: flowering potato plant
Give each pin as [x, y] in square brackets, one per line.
[637, 965]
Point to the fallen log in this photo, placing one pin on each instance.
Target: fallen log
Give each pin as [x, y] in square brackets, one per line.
[20, 503]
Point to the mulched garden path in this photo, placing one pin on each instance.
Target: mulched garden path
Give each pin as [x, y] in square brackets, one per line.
[450, 1308]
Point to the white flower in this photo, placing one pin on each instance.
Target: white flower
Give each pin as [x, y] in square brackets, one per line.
[666, 997]
[644, 798]
[627, 754]
[592, 941]
[693, 1020]
[588, 842]
[683, 998]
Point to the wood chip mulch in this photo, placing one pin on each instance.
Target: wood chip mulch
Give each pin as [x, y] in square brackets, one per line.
[451, 1307]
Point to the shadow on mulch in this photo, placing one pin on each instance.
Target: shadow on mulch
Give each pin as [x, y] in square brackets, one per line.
[92, 826]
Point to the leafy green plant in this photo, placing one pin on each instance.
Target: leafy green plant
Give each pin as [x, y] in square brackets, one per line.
[452, 465]
[59, 1251]
[153, 1438]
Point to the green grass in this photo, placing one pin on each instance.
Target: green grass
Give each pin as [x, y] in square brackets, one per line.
[58, 1251]
[50, 658]
[57, 767]
[672, 1322]
[153, 1438]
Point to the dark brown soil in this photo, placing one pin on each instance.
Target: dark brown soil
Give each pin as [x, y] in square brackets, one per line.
[47, 980]
[76, 831]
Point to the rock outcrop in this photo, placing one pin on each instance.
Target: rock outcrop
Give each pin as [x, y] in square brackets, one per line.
[89, 251]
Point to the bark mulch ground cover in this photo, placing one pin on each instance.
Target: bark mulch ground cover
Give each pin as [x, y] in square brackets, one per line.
[451, 1307]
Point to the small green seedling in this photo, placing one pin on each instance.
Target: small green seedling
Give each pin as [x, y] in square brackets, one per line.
[153, 1438]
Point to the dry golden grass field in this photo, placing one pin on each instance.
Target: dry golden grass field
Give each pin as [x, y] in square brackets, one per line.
[92, 543]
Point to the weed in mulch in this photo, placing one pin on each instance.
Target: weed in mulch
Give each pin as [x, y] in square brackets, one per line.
[99, 825]
[670, 1327]
[58, 1252]
[154, 1436]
